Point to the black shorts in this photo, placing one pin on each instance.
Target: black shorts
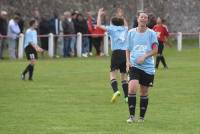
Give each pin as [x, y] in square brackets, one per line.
[31, 53]
[160, 47]
[118, 61]
[143, 78]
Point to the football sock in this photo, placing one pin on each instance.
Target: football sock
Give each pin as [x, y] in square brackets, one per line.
[157, 61]
[114, 85]
[163, 61]
[143, 105]
[132, 103]
[125, 88]
[26, 69]
[31, 72]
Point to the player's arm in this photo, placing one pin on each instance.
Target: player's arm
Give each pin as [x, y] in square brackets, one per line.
[128, 63]
[36, 47]
[100, 13]
[153, 52]
[167, 43]
[34, 43]
[125, 23]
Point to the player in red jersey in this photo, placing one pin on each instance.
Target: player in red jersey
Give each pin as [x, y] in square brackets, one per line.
[162, 34]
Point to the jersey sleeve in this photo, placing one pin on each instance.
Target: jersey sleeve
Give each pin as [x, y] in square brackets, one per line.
[109, 29]
[129, 45]
[166, 31]
[154, 39]
[34, 37]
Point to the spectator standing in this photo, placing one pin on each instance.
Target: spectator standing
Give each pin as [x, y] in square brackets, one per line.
[13, 32]
[55, 29]
[69, 40]
[82, 27]
[3, 32]
[44, 29]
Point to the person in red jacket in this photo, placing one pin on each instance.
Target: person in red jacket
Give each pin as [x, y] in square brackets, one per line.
[97, 34]
[162, 34]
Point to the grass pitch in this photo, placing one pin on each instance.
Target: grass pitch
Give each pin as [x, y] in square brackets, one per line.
[72, 96]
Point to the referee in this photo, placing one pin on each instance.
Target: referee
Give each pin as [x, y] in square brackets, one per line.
[31, 49]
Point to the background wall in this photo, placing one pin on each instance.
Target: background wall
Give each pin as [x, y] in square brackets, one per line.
[181, 15]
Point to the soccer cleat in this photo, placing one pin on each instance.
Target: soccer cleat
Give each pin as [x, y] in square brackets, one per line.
[131, 119]
[126, 99]
[85, 55]
[22, 76]
[90, 54]
[115, 96]
[30, 79]
[141, 119]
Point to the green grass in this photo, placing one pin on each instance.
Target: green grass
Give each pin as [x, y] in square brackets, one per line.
[72, 96]
[187, 42]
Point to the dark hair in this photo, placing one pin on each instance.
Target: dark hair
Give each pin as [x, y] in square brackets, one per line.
[32, 22]
[17, 16]
[163, 20]
[117, 21]
[141, 11]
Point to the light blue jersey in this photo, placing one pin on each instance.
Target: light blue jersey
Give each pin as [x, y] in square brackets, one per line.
[140, 43]
[30, 37]
[117, 35]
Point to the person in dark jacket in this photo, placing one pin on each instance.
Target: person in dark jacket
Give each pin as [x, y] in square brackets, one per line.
[3, 31]
[44, 29]
[81, 27]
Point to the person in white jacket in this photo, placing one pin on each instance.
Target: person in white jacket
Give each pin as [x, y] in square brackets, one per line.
[13, 32]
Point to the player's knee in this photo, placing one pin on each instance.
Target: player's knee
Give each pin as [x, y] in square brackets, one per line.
[132, 87]
[32, 62]
[123, 77]
[144, 92]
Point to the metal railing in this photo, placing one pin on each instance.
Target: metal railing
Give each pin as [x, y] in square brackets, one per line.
[179, 38]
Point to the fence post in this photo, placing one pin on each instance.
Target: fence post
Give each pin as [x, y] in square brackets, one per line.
[199, 39]
[79, 44]
[51, 45]
[21, 46]
[179, 41]
[105, 44]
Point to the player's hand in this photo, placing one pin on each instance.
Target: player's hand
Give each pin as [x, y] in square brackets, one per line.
[141, 59]
[40, 50]
[128, 65]
[101, 11]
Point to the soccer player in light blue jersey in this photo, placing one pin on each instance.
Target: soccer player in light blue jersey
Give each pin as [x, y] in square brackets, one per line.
[141, 47]
[31, 48]
[117, 32]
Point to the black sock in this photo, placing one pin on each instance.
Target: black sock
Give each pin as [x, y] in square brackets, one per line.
[31, 72]
[114, 85]
[143, 105]
[132, 103]
[125, 88]
[157, 61]
[26, 69]
[163, 61]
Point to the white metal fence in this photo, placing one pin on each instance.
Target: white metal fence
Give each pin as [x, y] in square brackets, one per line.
[51, 44]
[179, 38]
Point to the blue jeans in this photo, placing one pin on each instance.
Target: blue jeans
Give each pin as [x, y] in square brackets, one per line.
[2, 45]
[12, 48]
[69, 45]
[85, 45]
[73, 44]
